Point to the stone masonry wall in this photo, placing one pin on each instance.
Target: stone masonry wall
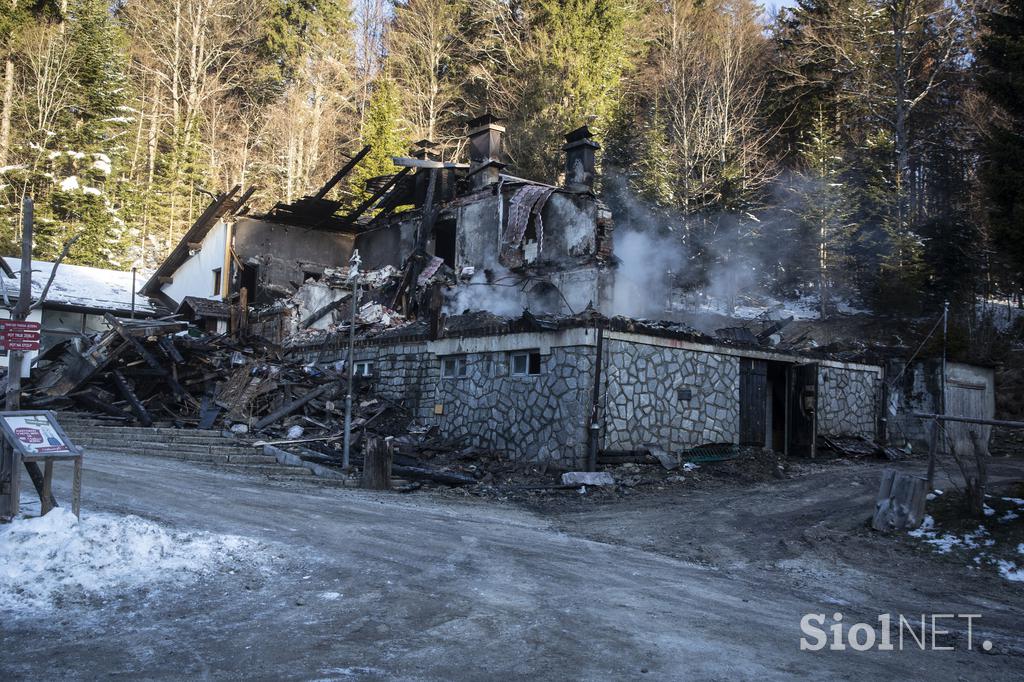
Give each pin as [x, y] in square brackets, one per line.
[643, 404]
[535, 417]
[847, 400]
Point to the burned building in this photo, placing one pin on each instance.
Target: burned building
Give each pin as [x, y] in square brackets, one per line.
[486, 314]
[549, 248]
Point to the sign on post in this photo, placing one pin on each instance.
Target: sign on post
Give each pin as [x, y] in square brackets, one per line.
[35, 436]
[19, 335]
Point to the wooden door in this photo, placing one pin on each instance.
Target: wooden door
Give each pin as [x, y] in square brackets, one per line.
[753, 401]
[803, 410]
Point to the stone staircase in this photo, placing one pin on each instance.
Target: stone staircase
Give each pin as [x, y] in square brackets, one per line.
[191, 445]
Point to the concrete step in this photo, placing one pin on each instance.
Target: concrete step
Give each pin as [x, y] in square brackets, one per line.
[222, 446]
[146, 431]
[205, 458]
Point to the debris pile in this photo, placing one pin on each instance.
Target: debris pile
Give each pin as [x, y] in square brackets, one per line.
[170, 372]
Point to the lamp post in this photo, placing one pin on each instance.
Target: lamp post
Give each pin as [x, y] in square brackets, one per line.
[353, 274]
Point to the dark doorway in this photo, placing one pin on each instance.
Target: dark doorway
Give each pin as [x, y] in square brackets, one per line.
[753, 394]
[775, 438]
[248, 280]
[803, 410]
[444, 241]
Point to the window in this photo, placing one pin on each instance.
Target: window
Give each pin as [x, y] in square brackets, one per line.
[453, 366]
[524, 363]
[216, 281]
[364, 368]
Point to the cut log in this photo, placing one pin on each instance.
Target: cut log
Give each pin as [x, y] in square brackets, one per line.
[377, 464]
[900, 502]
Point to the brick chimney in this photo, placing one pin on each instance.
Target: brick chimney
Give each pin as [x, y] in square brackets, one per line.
[485, 157]
[580, 160]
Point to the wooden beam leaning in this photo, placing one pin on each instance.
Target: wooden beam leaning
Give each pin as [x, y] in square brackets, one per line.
[125, 388]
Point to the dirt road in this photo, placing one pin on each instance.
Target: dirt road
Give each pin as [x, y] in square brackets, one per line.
[709, 586]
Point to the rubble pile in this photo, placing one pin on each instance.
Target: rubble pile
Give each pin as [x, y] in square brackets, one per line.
[170, 372]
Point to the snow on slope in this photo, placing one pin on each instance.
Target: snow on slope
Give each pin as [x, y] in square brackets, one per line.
[50, 560]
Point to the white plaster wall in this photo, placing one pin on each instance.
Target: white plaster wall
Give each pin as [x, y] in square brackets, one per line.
[195, 276]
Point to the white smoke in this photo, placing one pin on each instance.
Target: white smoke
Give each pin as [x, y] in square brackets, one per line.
[643, 279]
[500, 294]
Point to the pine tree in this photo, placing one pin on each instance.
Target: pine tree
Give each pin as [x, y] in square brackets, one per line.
[581, 51]
[383, 131]
[86, 201]
[291, 30]
[1001, 76]
[823, 210]
[70, 164]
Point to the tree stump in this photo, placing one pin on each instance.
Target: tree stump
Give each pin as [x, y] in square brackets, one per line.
[377, 455]
[900, 501]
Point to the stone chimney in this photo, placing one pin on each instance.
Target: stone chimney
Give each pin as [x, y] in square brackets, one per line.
[485, 155]
[580, 160]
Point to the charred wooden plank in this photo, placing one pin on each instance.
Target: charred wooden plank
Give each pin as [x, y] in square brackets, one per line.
[126, 390]
[436, 475]
[167, 344]
[288, 408]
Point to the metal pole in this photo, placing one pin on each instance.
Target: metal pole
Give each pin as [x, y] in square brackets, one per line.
[354, 263]
[134, 269]
[945, 327]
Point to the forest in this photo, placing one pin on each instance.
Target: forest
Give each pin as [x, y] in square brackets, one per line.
[869, 152]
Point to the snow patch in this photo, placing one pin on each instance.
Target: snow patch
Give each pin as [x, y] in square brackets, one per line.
[102, 164]
[55, 558]
[94, 191]
[69, 184]
[1011, 571]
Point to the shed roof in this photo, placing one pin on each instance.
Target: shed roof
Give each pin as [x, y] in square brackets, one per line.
[79, 287]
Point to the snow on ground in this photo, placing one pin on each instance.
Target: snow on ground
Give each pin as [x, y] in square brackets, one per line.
[1004, 312]
[54, 559]
[769, 307]
[1011, 571]
[978, 544]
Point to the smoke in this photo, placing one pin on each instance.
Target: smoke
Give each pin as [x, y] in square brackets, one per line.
[644, 278]
[494, 289]
[673, 265]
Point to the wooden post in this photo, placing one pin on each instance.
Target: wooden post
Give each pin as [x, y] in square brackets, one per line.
[933, 446]
[76, 488]
[15, 360]
[45, 505]
[243, 311]
[976, 486]
[377, 456]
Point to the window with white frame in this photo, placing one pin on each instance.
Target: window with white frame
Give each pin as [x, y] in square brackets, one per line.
[364, 368]
[524, 362]
[453, 366]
